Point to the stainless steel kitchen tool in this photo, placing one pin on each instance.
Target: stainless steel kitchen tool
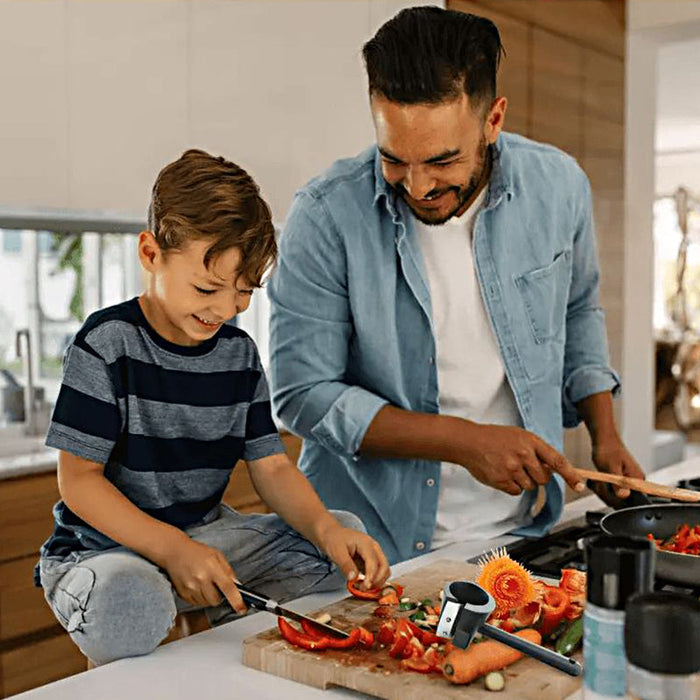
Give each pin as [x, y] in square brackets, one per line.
[465, 609]
[259, 601]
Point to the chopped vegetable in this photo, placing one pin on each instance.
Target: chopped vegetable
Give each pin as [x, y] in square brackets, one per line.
[323, 618]
[494, 681]
[554, 605]
[686, 540]
[408, 605]
[507, 581]
[300, 639]
[383, 611]
[571, 638]
[466, 665]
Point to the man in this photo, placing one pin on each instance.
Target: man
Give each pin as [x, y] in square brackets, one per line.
[435, 317]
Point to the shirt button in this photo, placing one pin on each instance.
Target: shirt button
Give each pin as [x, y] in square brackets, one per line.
[430, 482]
[420, 546]
[431, 360]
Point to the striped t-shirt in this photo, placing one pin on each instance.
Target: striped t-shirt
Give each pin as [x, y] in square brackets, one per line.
[169, 422]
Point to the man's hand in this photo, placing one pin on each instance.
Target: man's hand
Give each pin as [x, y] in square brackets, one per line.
[512, 459]
[351, 549]
[611, 456]
[201, 574]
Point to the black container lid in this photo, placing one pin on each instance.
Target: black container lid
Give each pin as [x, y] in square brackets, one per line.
[616, 568]
[662, 632]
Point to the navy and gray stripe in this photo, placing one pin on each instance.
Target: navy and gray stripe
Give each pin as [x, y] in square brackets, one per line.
[169, 423]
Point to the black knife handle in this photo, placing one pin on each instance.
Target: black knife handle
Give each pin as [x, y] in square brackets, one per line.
[253, 599]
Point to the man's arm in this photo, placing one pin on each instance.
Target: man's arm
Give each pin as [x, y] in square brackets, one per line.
[310, 332]
[609, 452]
[589, 383]
[507, 458]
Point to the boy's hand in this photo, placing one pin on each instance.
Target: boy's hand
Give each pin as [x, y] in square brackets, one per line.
[201, 574]
[351, 549]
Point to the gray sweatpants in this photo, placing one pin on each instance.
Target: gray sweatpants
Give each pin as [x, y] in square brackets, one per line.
[116, 603]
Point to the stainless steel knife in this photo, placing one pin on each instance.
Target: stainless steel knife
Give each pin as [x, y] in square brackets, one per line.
[263, 602]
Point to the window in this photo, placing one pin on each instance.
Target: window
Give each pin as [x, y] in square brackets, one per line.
[53, 276]
[676, 265]
[57, 268]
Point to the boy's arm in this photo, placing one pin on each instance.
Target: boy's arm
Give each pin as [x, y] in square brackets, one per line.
[194, 568]
[288, 492]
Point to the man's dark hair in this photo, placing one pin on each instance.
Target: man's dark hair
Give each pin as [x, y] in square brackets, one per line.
[428, 55]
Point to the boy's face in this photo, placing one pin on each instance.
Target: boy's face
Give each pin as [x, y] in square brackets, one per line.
[185, 302]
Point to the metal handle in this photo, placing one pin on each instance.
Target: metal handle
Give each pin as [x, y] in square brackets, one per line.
[551, 658]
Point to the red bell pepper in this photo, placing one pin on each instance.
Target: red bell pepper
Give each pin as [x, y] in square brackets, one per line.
[387, 632]
[554, 605]
[347, 643]
[417, 663]
[300, 639]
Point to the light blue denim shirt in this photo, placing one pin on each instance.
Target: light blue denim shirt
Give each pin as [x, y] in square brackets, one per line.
[351, 325]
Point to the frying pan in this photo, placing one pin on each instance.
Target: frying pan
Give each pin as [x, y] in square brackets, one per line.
[661, 521]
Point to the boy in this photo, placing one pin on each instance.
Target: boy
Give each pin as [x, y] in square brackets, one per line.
[160, 398]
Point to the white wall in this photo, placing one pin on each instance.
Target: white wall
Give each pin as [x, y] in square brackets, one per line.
[95, 97]
[651, 25]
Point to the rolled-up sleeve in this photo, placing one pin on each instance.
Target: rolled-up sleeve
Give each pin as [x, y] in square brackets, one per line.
[587, 368]
[311, 328]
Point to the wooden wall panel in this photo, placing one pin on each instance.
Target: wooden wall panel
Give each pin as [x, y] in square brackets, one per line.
[557, 92]
[515, 37]
[598, 24]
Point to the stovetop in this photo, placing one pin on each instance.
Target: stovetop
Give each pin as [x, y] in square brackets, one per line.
[564, 548]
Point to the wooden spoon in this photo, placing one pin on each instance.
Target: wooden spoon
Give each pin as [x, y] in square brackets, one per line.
[653, 489]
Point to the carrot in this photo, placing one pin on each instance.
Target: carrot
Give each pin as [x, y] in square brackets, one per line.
[466, 665]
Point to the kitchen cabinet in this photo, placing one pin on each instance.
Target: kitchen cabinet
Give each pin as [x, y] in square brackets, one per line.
[34, 649]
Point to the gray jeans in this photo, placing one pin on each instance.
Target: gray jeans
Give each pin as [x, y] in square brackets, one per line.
[116, 603]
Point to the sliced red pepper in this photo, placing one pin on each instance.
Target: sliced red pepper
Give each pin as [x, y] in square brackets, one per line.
[527, 615]
[573, 581]
[366, 638]
[428, 638]
[387, 632]
[371, 594]
[300, 639]
[347, 643]
[311, 630]
[383, 611]
[416, 647]
[389, 599]
[554, 604]
[435, 659]
[400, 643]
[418, 664]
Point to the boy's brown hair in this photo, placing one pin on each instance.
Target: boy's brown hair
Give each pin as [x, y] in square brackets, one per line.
[200, 196]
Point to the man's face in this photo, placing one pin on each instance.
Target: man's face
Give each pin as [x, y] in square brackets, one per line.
[188, 301]
[435, 155]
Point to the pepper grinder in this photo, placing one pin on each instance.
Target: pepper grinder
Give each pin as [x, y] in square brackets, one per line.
[616, 569]
[662, 643]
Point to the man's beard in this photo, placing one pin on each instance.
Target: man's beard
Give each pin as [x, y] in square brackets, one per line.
[463, 194]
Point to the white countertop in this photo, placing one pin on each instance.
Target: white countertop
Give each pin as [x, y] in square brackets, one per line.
[208, 664]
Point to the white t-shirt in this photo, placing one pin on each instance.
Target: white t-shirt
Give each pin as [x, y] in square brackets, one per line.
[471, 378]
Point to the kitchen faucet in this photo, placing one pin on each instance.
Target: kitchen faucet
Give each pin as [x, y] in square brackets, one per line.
[30, 413]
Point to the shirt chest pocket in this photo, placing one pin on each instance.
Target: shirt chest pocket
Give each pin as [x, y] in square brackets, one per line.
[545, 294]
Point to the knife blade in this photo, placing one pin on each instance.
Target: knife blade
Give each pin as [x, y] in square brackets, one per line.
[262, 602]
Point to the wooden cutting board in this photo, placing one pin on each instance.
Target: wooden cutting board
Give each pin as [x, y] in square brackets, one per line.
[376, 673]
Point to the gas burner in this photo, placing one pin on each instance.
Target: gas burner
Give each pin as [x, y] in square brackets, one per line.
[564, 548]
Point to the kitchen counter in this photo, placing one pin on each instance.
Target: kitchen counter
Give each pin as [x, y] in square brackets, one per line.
[209, 664]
